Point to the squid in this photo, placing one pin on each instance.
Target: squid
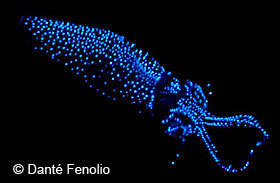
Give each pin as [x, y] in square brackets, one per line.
[119, 70]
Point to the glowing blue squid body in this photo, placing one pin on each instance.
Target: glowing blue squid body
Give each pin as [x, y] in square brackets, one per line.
[120, 71]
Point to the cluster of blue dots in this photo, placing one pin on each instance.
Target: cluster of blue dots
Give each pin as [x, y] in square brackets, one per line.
[102, 58]
[193, 106]
[119, 70]
[173, 87]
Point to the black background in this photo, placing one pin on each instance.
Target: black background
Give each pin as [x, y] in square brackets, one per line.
[53, 118]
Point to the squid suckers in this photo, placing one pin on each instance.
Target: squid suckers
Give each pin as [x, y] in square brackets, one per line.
[119, 70]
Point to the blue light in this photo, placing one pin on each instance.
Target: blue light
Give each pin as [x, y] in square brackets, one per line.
[119, 69]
